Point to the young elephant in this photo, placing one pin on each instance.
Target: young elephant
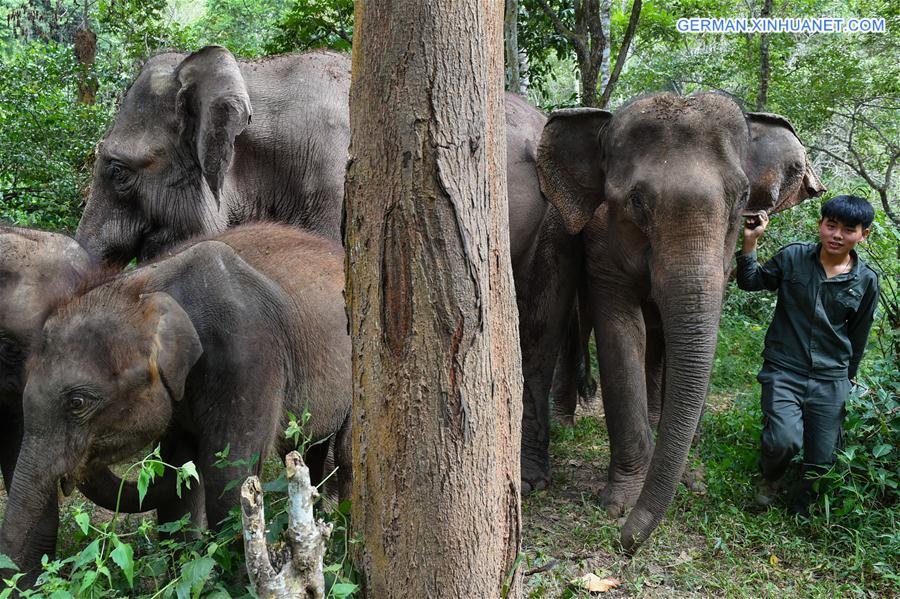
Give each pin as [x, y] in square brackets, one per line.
[207, 349]
[35, 269]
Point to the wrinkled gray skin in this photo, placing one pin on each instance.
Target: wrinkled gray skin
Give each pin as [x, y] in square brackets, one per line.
[206, 349]
[671, 177]
[36, 269]
[202, 142]
[546, 260]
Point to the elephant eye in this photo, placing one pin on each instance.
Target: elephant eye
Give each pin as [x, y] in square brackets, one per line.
[77, 400]
[119, 173]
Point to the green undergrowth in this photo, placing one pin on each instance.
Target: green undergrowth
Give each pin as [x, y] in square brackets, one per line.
[105, 554]
[715, 543]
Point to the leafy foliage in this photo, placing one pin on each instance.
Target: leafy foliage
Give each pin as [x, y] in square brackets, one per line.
[47, 139]
[314, 24]
[173, 559]
[243, 27]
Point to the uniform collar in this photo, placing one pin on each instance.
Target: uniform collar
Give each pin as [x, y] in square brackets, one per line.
[853, 272]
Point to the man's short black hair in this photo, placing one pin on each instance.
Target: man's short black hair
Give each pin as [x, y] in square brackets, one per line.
[850, 210]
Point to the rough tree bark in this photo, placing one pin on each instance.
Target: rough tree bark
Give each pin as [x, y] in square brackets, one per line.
[86, 54]
[511, 39]
[762, 96]
[436, 364]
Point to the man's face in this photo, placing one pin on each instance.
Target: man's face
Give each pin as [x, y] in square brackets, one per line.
[839, 238]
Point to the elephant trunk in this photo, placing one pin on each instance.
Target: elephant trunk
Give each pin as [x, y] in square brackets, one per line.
[690, 307]
[110, 236]
[32, 514]
[103, 487]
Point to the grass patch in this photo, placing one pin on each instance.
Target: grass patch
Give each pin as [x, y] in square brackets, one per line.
[711, 544]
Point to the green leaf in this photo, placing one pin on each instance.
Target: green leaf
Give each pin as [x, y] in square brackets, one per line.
[343, 589]
[87, 555]
[193, 576]
[882, 450]
[123, 556]
[90, 577]
[83, 519]
[143, 483]
[190, 471]
[6, 563]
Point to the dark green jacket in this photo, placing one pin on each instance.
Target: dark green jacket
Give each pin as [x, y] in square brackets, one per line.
[820, 325]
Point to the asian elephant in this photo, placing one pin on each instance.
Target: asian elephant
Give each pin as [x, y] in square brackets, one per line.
[206, 349]
[203, 141]
[36, 270]
[656, 192]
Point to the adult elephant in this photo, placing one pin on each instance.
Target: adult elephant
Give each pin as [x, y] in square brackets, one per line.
[202, 142]
[671, 176]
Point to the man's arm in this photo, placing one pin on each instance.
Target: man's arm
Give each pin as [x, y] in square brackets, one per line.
[859, 326]
[751, 276]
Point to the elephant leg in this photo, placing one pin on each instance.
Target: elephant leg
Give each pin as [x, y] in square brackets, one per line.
[566, 375]
[587, 386]
[343, 459]
[11, 431]
[621, 338]
[545, 299]
[177, 451]
[315, 458]
[654, 365]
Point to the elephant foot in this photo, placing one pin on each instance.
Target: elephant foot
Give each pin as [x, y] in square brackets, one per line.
[587, 391]
[619, 495]
[567, 420]
[534, 476]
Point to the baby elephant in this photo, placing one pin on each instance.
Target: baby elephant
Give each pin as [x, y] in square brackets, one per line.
[207, 350]
[36, 269]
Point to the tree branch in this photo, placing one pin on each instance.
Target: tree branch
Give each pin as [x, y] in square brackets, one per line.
[559, 25]
[623, 53]
[297, 571]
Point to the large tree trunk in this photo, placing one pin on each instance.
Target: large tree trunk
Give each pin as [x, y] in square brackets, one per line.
[436, 376]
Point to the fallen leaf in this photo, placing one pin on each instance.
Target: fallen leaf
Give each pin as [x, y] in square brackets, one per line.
[683, 558]
[595, 584]
[773, 560]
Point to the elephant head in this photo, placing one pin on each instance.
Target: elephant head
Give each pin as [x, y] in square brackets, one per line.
[36, 270]
[103, 379]
[780, 173]
[161, 167]
[674, 174]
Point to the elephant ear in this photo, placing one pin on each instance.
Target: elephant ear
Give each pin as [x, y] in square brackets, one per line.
[175, 346]
[775, 153]
[568, 163]
[213, 107]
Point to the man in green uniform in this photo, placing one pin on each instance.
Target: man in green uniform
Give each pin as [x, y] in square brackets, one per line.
[826, 302]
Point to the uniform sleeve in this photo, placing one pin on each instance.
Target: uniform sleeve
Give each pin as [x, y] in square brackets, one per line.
[859, 326]
[753, 276]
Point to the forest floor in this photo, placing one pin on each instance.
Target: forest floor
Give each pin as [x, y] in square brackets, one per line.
[710, 544]
[713, 543]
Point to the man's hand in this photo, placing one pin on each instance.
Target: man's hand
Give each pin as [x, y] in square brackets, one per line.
[754, 227]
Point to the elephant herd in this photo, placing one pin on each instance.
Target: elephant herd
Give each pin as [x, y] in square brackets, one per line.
[226, 326]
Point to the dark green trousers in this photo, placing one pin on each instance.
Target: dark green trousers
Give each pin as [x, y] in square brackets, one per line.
[799, 413]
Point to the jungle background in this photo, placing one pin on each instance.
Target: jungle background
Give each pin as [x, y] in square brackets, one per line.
[64, 65]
